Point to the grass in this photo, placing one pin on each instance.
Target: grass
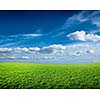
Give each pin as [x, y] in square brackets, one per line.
[49, 76]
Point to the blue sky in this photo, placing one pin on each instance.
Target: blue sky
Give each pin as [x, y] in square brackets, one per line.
[50, 36]
[32, 22]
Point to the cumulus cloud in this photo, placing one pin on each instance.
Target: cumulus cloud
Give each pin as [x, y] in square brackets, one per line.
[92, 37]
[76, 54]
[23, 49]
[82, 36]
[31, 52]
[78, 35]
[90, 51]
[48, 58]
[56, 53]
[52, 49]
[58, 46]
[4, 50]
[34, 49]
[24, 57]
[46, 50]
[11, 57]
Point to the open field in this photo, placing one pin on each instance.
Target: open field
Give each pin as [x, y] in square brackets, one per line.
[49, 76]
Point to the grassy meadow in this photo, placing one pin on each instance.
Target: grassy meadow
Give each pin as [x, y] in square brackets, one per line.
[49, 76]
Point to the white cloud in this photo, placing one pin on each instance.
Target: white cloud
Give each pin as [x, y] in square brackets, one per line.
[18, 49]
[78, 35]
[32, 35]
[92, 37]
[11, 57]
[90, 17]
[91, 51]
[73, 53]
[46, 50]
[95, 18]
[82, 36]
[55, 48]
[5, 49]
[83, 16]
[33, 49]
[45, 53]
[24, 57]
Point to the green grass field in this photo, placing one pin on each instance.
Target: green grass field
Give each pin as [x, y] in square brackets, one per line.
[49, 76]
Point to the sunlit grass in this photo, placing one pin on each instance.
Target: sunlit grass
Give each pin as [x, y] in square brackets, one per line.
[45, 76]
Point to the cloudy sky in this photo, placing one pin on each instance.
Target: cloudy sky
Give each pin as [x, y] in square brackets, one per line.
[50, 36]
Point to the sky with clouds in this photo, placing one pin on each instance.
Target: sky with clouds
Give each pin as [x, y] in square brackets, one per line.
[50, 36]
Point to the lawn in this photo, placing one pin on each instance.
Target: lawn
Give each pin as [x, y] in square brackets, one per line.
[49, 76]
